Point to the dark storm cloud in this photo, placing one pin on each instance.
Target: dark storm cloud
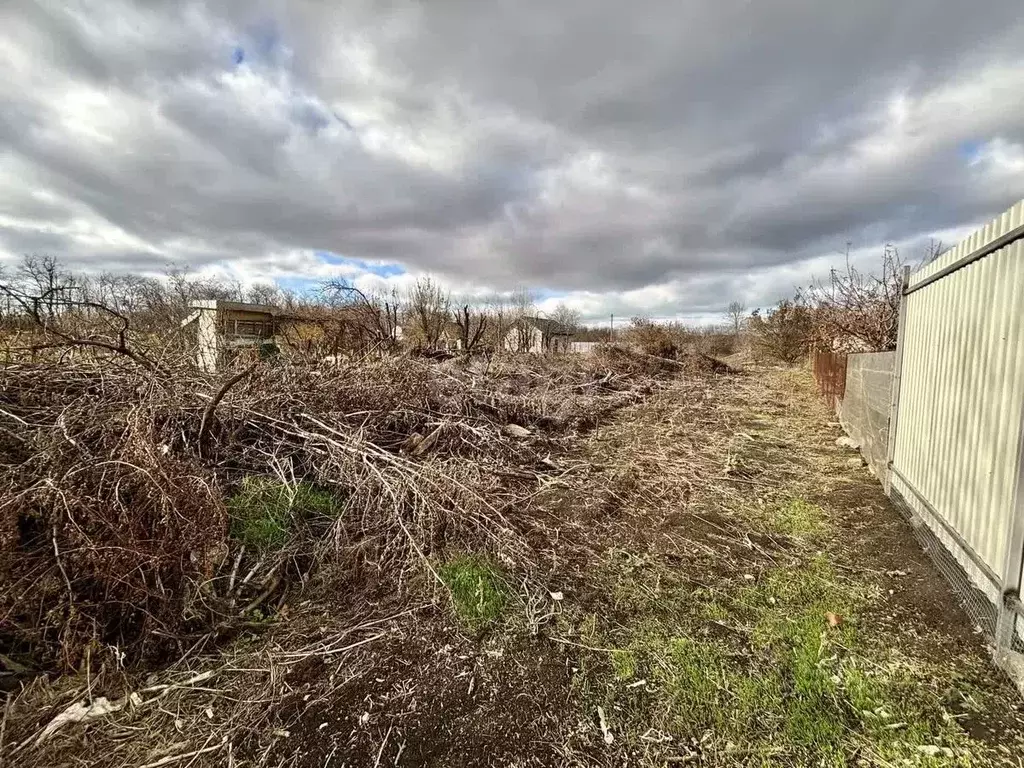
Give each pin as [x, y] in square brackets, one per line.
[710, 148]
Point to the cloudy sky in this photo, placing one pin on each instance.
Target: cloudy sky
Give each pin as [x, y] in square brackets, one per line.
[663, 157]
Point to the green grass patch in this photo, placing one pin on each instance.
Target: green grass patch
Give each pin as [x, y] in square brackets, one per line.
[477, 588]
[762, 674]
[797, 517]
[624, 664]
[264, 511]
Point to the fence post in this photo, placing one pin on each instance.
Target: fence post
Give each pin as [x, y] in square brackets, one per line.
[1010, 608]
[897, 377]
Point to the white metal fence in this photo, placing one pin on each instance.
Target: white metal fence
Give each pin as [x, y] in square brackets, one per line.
[957, 425]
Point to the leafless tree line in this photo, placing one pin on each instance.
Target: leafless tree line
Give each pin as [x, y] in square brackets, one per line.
[118, 311]
[852, 310]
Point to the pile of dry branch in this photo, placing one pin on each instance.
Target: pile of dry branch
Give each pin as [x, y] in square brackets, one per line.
[146, 512]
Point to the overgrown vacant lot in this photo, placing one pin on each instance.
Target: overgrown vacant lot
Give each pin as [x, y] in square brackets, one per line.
[691, 574]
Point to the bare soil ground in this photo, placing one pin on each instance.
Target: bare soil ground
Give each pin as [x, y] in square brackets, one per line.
[719, 585]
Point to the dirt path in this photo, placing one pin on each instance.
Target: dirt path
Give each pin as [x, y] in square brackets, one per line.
[716, 583]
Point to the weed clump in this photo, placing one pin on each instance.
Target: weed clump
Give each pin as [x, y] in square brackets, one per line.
[478, 591]
[264, 510]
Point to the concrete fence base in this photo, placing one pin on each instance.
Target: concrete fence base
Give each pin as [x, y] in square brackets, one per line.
[864, 409]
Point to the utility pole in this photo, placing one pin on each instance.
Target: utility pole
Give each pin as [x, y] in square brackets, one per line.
[611, 328]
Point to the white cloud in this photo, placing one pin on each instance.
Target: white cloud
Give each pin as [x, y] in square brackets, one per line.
[999, 158]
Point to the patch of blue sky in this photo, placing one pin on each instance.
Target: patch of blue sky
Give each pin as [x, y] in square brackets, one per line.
[544, 294]
[379, 268]
[260, 43]
[303, 286]
[971, 149]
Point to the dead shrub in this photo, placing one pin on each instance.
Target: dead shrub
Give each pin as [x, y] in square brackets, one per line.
[658, 339]
[858, 311]
[112, 534]
[150, 510]
[716, 343]
[784, 333]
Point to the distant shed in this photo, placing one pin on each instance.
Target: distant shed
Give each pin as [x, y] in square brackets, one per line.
[537, 335]
[224, 327]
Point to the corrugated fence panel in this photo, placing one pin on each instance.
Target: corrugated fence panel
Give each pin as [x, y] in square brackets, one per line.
[962, 395]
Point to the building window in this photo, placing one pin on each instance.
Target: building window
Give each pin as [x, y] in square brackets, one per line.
[249, 329]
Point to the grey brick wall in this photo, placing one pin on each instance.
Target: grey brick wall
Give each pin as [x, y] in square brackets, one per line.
[864, 412]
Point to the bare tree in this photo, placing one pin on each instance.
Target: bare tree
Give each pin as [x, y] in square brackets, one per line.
[185, 290]
[736, 311]
[499, 321]
[567, 318]
[144, 299]
[428, 308]
[858, 310]
[54, 303]
[182, 290]
[932, 250]
[389, 311]
[523, 308]
[472, 323]
[290, 300]
[263, 293]
[352, 318]
[44, 278]
[735, 314]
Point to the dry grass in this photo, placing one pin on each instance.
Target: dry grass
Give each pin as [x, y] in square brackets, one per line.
[151, 518]
[648, 586]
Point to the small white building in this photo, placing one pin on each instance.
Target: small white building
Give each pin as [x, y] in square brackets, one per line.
[537, 335]
[224, 327]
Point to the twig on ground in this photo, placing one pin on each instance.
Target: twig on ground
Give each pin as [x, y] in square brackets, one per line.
[171, 759]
